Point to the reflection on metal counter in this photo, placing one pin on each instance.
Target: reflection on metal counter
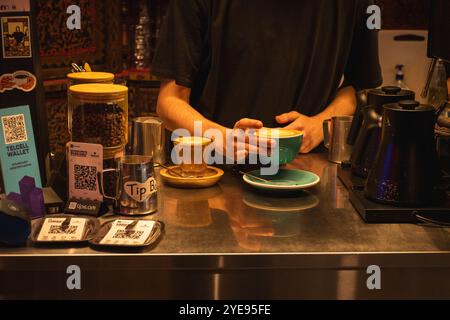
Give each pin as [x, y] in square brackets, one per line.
[190, 208]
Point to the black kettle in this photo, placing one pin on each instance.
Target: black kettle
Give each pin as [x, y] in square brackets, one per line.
[406, 170]
[368, 139]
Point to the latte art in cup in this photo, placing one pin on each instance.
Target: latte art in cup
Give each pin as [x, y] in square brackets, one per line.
[288, 144]
[192, 141]
[278, 133]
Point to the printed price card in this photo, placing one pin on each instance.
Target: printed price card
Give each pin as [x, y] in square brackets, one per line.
[123, 232]
[57, 229]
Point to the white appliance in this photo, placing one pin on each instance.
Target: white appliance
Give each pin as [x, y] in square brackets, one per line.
[411, 53]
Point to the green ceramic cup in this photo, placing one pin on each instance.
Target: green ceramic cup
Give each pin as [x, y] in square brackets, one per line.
[289, 143]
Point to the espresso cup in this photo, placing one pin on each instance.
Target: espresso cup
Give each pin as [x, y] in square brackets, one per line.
[190, 153]
[288, 144]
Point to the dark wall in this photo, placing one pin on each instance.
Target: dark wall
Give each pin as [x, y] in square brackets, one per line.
[405, 14]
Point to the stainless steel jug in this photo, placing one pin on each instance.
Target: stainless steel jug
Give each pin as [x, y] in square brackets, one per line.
[136, 186]
[336, 131]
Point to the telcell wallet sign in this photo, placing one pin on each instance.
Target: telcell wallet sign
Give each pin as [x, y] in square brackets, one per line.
[18, 154]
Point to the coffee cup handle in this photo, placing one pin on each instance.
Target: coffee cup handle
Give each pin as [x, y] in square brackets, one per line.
[101, 183]
[326, 133]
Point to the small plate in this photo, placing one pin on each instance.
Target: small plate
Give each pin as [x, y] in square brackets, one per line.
[154, 237]
[285, 180]
[92, 227]
[212, 178]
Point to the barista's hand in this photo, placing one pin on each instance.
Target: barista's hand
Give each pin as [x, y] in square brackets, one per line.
[239, 138]
[311, 126]
[245, 124]
[243, 147]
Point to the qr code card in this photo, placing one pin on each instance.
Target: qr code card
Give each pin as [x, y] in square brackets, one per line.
[85, 162]
[121, 234]
[55, 229]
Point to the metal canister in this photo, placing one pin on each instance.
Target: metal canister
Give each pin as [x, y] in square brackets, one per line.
[136, 186]
[148, 139]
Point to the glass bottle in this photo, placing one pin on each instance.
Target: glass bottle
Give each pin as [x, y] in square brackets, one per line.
[438, 92]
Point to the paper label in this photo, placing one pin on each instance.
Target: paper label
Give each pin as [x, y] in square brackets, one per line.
[140, 192]
[53, 230]
[119, 235]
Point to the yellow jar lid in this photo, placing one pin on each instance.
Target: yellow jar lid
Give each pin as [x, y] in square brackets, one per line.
[91, 76]
[98, 89]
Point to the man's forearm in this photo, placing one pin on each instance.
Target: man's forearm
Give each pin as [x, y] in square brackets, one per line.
[175, 111]
[178, 114]
[343, 105]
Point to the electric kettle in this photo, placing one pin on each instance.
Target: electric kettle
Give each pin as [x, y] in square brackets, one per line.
[368, 138]
[406, 171]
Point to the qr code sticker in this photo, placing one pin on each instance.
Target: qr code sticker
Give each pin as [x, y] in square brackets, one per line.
[85, 178]
[14, 129]
[128, 235]
[60, 230]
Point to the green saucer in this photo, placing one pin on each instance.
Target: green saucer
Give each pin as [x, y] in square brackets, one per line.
[285, 180]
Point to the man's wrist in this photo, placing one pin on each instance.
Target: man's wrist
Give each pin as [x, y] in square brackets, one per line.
[323, 116]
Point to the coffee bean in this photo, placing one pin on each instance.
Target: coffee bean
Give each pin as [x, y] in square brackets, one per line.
[106, 124]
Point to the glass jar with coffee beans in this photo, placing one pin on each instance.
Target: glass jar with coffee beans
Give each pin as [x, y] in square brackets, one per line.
[98, 113]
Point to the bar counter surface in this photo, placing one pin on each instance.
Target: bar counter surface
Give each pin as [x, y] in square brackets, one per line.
[229, 242]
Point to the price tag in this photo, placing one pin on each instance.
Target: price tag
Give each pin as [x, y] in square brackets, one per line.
[119, 234]
[54, 229]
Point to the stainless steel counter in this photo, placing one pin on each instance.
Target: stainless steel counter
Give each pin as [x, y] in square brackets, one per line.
[231, 242]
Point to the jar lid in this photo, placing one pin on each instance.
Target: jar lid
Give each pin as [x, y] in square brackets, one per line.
[91, 76]
[388, 95]
[99, 90]
[409, 106]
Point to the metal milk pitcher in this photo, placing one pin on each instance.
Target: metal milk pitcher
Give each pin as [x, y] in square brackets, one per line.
[336, 131]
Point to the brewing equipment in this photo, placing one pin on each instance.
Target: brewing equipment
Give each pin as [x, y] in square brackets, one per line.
[406, 170]
[368, 139]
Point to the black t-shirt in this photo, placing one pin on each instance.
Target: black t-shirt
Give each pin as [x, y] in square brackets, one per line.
[261, 58]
